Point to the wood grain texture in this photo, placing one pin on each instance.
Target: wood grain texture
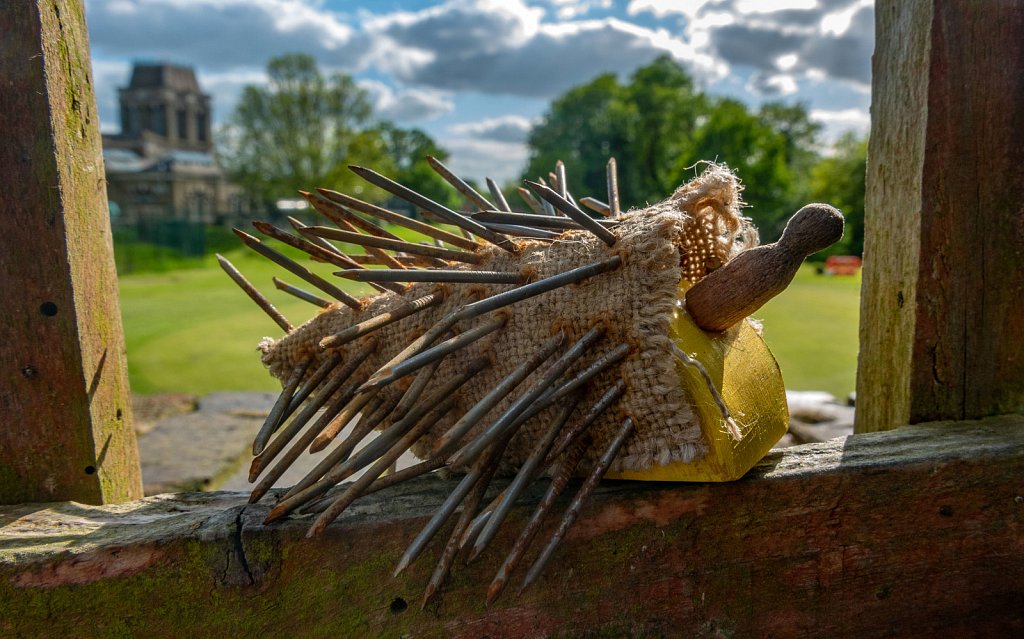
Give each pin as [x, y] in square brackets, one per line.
[942, 309]
[65, 415]
[969, 343]
[892, 210]
[917, 532]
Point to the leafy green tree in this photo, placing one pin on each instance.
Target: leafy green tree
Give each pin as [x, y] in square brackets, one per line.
[839, 180]
[408, 149]
[666, 109]
[299, 131]
[658, 125]
[583, 127]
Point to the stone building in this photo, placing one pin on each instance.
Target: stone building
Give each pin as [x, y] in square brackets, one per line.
[161, 165]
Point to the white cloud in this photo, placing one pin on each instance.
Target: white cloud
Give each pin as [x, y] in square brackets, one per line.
[839, 121]
[477, 159]
[506, 128]
[407, 105]
[782, 40]
[221, 34]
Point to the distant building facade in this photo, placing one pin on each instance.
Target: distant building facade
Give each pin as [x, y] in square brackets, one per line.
[161, 165]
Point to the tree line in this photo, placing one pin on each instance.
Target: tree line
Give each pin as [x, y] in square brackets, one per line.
[304, 128]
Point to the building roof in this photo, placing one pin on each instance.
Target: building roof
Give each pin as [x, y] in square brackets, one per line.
[163, 76]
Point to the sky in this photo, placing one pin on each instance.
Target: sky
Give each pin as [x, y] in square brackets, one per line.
[475, 74]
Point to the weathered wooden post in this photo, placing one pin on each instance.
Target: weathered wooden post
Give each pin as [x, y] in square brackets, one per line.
[942, 311]
[65, 412]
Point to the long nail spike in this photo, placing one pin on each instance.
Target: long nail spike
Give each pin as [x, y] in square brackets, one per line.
[460, 185]
[537, 287]
[523, 231]
[387, 481]
[394, 245]
[288, 432]
[563, 188]
[596, 206]
[343, 469]
[345, 224]
[368, 421]
[435, 353]
[405, 474]
[335, 212]
[598, 366]
[378, 321]
[319, 241]
[297, 269]
[451, 548]
[609, 397]
[558, 483]
[530, 200]
[354, 407]
[273, 419]
[315, 251]
[250, 290]
[498, 196]
[400, 220]
[573, 212]
[548, 209]
[387, 457]
[454, 435]
[440, 210]
[529, 219]
[364, 259]
[577, 502]
[312, 383]
[415, 390]
[289, 457]
[507, 419]
[432, 275]
[527, 471]
[613, 188]
[474, 528]
[476, 473]
[302, 294]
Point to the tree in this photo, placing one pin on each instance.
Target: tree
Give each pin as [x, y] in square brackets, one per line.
[659, 125]
[300, 131]
[839, 180]
[583, 128]
[408, 149]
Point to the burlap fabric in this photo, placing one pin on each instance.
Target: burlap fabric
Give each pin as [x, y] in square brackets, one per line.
[696, 230]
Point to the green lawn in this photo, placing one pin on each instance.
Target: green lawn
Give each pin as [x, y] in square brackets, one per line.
[194, 331]
[811, 328]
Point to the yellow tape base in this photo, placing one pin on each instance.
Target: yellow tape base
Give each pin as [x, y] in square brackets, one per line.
[750, 383]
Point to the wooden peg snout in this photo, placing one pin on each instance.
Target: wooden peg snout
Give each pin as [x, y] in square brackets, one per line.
[748, 281]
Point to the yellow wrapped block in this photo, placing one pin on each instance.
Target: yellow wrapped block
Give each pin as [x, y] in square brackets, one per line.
[750, 383]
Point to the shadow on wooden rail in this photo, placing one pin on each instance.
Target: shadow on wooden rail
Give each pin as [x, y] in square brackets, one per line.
[912, 532]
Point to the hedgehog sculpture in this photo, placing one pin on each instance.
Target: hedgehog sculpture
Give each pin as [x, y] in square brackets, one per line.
[528, 345]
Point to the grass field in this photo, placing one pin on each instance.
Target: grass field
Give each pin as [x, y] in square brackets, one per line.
[194, 331]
